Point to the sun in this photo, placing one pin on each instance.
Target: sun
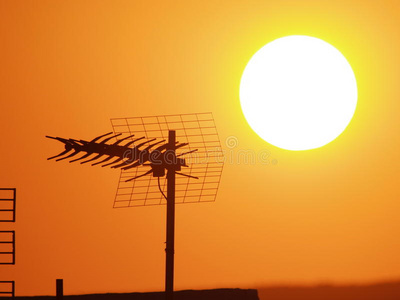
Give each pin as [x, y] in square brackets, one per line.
[298, 92]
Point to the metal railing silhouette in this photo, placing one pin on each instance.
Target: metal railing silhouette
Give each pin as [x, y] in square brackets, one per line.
[7, 289]
[7, 204]
[7, 237]
[7, 244]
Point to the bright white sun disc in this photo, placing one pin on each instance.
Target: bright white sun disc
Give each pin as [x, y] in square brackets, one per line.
[298, 93]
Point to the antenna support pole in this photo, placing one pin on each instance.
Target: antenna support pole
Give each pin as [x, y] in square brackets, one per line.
[169, 262]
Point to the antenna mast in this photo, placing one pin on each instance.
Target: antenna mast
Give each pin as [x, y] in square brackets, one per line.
[169, 260]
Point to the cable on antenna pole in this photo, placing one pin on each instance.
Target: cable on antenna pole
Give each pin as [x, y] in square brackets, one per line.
[159, 187]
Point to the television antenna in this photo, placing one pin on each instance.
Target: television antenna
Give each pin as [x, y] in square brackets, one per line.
[182, 153]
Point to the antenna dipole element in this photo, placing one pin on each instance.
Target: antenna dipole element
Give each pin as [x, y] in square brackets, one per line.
[169, 261]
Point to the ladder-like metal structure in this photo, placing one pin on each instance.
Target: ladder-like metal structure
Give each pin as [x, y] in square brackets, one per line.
[7, 237]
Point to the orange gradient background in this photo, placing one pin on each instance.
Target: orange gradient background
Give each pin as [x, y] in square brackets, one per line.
[325, 215]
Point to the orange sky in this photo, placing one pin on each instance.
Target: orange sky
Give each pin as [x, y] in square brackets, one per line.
[67, 67]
